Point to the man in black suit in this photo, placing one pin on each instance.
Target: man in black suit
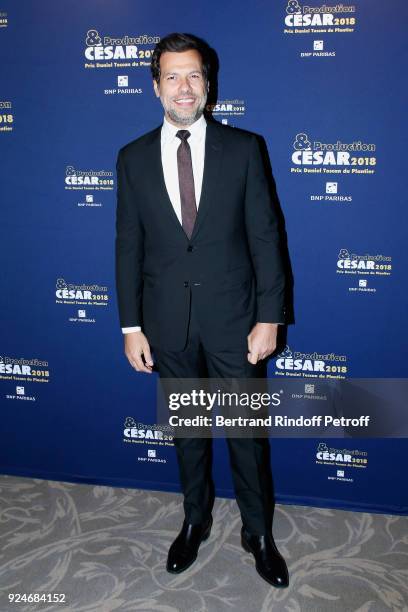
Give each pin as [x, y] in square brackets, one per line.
[200, 281]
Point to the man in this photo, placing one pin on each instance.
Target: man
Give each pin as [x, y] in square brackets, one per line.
[200, 281]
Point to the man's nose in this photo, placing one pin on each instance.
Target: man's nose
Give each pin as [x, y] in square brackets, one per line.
[185, 84]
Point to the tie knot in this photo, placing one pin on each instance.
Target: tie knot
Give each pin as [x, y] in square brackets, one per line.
[183, 135]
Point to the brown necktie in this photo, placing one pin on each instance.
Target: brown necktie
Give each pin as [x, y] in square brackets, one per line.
[186, 183]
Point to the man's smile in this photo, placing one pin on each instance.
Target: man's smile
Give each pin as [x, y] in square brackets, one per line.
[185, 101]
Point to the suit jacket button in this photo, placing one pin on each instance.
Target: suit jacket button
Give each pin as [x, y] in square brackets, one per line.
[190, 248]
[186, 283]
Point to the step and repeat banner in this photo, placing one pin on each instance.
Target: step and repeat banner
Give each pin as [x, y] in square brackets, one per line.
[322, 84]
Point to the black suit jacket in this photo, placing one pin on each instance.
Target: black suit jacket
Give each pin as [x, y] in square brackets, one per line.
[232, 265]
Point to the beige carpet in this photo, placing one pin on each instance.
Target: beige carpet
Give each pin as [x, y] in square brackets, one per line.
[105, 548]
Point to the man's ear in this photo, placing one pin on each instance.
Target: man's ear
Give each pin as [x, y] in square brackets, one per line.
[156, 89]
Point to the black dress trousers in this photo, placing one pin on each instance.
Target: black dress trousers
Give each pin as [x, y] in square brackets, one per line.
[249, 457]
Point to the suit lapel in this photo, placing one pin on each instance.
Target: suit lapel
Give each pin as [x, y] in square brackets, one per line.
[212, 163]
[158, 183]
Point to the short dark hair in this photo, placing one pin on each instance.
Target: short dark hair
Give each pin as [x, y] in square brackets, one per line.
[181, 42]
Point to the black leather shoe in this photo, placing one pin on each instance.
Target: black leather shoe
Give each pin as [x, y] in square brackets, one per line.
[269, 563]
[183, 551]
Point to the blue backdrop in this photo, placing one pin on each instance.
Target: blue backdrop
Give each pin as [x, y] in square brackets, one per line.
[322, 84]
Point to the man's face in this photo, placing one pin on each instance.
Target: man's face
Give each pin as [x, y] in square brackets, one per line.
[182, 88]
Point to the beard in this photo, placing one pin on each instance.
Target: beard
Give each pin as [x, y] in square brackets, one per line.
[185, 119]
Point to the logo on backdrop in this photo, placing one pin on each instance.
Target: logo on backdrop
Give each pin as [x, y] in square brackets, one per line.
[226, 110]
[96, 180]
[310, 391]
[153, 437]
[321, 19]
[6, 116]
[291, 364]
[89, 202]
[341, 459]
[19, 394]
[80, 295]
[317, 49]
[363, 265]
[122, 87]
[317, 21]
[118, 52]
[22, 370]
[312, 156]
[331, 193]
[3, 19]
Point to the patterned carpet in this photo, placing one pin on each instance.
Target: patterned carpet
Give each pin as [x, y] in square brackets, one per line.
[106, 548]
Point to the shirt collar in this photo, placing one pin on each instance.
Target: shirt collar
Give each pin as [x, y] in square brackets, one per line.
[197, 129]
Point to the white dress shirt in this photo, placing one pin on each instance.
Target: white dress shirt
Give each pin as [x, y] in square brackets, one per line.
[169, 145]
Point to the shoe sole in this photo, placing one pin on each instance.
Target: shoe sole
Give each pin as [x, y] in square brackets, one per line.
[205, 537]
[247, 549]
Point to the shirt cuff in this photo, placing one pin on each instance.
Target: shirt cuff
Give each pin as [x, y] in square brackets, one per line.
[129, 330]
[274, 322]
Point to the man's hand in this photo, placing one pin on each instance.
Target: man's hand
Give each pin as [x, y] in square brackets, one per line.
[262, 341]
[136, 345]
